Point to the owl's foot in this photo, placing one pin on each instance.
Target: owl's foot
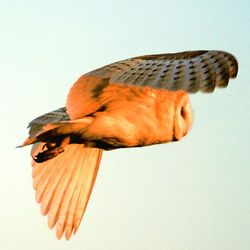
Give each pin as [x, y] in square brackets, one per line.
[51, 150]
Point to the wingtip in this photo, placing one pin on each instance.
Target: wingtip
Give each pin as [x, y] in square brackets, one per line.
[59, 231]
[68, 232]
[51, 222]
[76, 226]
[68, 235]
[234, 66]
[27, 142]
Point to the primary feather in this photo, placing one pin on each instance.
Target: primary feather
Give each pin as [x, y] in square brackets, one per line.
[190, 70]
[64, 185]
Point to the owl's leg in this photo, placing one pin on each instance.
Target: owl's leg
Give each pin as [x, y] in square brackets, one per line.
[51, 150]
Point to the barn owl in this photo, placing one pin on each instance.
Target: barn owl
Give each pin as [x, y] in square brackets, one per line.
[131, 103]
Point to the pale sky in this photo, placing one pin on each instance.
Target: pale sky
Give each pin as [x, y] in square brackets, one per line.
[190, 195]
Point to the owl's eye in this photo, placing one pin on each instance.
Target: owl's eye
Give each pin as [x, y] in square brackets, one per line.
[183, 112]
[183, 118]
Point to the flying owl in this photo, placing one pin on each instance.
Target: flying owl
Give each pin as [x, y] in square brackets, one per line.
[131, 103]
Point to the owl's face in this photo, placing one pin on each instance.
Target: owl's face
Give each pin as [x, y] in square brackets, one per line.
[183, 116]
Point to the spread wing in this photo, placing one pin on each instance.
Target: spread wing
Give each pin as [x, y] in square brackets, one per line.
[63, 184]
[190, 70]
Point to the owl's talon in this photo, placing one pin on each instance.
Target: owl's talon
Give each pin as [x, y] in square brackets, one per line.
[48, 145]
[52, 150]
[48, 154]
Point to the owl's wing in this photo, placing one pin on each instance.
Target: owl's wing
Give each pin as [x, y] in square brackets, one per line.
[63, 184]
[36, 125]
[190, 70]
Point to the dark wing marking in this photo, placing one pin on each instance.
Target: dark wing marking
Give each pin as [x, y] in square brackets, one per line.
[190, 70]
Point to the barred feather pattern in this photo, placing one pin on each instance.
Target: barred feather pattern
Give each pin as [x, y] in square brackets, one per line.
[191, 71]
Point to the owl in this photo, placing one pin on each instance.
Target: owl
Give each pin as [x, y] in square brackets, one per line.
[135, 102]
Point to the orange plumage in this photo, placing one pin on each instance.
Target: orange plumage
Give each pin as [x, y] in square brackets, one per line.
[135, 102]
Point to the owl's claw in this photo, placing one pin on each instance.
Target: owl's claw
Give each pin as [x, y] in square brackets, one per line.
[48, 145]
[48, 154]
[51, 150]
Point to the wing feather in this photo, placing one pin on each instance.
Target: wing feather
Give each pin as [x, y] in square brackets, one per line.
[60, 190]
[89, 176]
[70, 192]
[63, 186]
[57, 115]
[72, 207]
[50, 189]
[190, 71]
